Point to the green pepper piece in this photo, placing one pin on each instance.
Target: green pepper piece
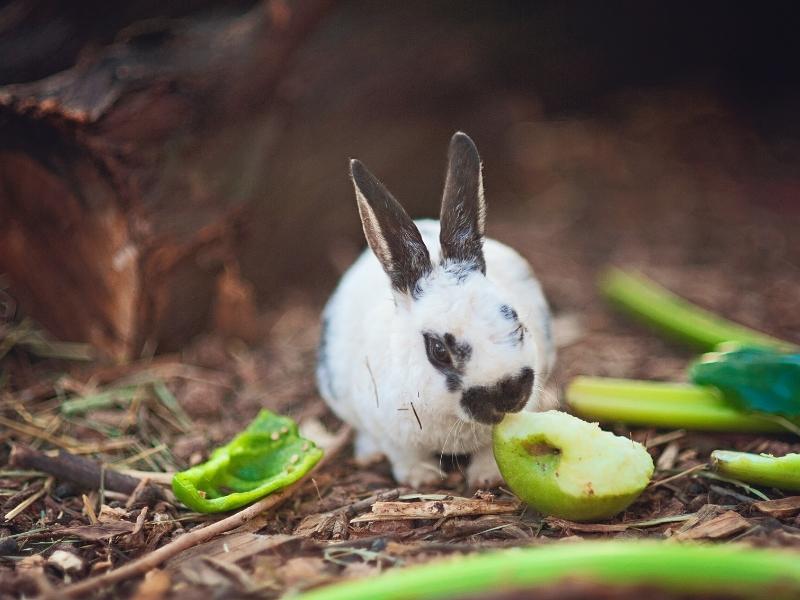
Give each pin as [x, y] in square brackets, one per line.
[267, 456]
[753, 379]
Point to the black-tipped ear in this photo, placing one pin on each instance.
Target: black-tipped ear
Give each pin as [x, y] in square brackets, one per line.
[463, 206]
[390, 232]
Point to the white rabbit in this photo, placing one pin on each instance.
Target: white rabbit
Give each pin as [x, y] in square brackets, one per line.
[434, 334]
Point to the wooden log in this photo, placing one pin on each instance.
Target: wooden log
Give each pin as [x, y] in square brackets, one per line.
[124, 179]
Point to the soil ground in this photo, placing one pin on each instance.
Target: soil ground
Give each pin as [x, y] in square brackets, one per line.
[674, 184]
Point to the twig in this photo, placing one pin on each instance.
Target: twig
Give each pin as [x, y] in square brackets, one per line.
[689, 471]
[198, 536]
[353, 509]
[85, 473]
[30, 500]
[616, 527]
[457, 507]
[159, 477]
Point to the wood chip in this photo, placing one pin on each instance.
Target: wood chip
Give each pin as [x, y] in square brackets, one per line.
[705, 513]
[140, 521]
[667, 459]
[437, 509]
[108, 514]
[98, 531]
[727, 524]
[781, 508]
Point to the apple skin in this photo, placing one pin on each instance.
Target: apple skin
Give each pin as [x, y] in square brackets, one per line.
[529, 463]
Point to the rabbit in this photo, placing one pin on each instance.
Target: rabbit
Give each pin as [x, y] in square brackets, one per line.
[435, 332]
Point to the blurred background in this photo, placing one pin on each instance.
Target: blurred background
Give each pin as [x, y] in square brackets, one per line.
[170, 168]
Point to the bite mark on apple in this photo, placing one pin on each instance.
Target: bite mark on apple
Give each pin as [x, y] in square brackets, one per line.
[539, 448]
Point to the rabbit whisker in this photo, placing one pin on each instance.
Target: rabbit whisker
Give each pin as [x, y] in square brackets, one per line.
[444, 444]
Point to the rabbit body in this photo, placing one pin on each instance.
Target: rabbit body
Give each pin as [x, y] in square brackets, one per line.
[423, 362]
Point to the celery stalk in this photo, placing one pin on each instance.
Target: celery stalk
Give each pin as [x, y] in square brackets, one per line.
[759, 469]
[665, 405]
[731, 571]
[676, 317]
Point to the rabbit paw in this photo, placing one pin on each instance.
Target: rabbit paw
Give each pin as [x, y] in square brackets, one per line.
[416, 472]
[483, 471]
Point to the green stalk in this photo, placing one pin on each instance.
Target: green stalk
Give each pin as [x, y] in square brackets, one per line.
[676, 317]
[759, 469]
[665, 405]
[730, 571]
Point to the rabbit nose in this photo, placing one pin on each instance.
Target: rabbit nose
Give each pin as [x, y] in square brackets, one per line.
[488, 404]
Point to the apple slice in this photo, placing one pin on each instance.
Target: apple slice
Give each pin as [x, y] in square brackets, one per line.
[568, 468]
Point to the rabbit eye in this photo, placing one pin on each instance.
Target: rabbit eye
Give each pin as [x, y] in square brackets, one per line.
[438, 353]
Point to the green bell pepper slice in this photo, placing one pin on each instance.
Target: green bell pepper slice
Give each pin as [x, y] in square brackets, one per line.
[267, 456]
[753, 379]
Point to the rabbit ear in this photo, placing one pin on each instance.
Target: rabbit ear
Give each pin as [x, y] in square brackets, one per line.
[390, 232]
[463, 206]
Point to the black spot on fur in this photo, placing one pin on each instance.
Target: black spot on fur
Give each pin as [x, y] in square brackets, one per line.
[488, 404]
[509, 313]
[453, 381]
[461, 270]
[460, 351]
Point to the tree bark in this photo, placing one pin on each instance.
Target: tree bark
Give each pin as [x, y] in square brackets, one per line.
[124, 179]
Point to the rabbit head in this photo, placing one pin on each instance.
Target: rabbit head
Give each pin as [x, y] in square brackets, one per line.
[468, 350]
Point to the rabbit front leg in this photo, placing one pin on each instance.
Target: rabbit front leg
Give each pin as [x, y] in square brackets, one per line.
[413, 467]
[483, 471]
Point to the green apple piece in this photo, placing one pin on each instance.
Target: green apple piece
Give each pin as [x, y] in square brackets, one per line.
[568, 468]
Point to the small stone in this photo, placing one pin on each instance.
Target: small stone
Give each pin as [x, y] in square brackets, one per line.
[275, 436]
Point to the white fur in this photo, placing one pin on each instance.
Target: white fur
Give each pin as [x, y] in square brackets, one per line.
[373, 365]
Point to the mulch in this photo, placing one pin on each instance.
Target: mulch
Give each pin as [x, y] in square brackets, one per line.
[673, 184]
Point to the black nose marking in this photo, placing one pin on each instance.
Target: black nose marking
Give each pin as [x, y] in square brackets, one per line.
[488, 404]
